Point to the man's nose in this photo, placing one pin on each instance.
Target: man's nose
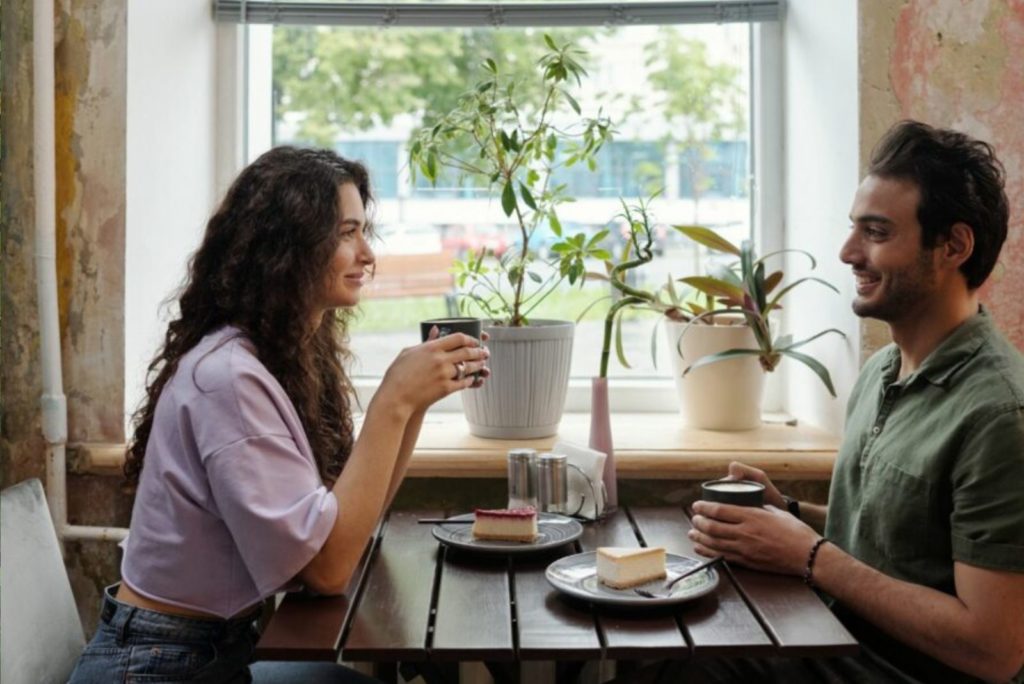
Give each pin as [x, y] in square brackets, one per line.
[850, 253]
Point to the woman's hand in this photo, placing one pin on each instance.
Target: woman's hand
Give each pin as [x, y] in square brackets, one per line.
[761, 538]
[427, 372]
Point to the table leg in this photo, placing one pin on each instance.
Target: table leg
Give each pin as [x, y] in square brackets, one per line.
[432, 673]
[568, 672]
[504, 673]
[386, 672]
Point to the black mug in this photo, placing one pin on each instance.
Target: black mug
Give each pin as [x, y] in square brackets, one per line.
[735, 492]
[447, 326]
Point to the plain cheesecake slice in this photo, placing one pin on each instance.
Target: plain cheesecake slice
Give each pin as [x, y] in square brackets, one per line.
[506, 524]
[622, 568]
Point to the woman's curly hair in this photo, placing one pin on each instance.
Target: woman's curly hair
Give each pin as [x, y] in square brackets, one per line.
[261, 267]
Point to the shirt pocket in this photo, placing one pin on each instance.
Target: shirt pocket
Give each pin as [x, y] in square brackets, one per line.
[903, 520]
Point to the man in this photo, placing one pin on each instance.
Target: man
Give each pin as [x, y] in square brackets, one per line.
[923, 546]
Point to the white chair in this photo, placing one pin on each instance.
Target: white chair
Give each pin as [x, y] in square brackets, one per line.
[40, 632]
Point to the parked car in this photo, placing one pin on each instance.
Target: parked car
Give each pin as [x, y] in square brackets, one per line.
[408, 238]
[473, 237]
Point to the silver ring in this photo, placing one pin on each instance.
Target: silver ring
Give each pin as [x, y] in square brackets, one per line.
[460, 371]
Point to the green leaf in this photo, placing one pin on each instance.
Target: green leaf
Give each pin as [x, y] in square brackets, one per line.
[534, 277]
[782, 293]
[506, 142]
[814, 365]
[619, 351]
[772, 281]
[556, 225]
[784, 345]
[527, 197]
[720, 356]
[491, 66]
[550, 42]
[572, 102]
[508, 199]
[713, 287]
[708, 238]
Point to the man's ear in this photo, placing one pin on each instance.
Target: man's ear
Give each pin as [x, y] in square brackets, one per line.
[959, 246]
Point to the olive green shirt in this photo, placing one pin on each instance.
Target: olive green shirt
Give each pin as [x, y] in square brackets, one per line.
[931, 471]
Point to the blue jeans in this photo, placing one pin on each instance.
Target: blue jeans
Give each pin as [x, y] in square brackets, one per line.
[137, 645]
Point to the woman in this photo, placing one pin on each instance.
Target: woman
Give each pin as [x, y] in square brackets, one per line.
[249, 477]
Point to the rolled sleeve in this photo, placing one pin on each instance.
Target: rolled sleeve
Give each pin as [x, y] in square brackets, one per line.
[274, 505]
[988, 502]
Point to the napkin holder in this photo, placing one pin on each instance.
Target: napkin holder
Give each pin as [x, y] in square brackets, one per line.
[585, 478]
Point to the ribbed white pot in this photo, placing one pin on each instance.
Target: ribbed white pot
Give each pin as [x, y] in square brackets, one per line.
[525, 395]
[726, 395]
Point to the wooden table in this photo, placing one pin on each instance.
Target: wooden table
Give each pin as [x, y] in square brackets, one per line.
[427, 607]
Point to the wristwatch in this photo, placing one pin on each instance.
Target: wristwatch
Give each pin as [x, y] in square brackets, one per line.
[792, 505]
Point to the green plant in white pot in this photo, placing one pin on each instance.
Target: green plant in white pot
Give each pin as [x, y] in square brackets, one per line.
[725, 340]
[514, 137]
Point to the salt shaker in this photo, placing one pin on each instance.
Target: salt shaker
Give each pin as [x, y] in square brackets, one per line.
[552, 483]
[522, 478]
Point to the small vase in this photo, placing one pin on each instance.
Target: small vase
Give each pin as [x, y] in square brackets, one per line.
[601, 439]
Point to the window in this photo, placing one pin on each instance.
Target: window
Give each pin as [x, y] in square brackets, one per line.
[678, 82]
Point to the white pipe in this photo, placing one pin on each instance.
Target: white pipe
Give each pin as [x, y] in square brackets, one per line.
[53, 402]
[94, 533]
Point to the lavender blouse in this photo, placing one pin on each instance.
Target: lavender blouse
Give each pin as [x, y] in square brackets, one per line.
[230, 506]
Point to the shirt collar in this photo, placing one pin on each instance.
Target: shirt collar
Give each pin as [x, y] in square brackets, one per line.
[949, 356]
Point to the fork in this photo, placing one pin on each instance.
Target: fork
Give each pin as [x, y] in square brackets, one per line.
[671, 583]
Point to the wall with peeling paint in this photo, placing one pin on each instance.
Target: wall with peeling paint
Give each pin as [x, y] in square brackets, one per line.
[90, 127]
[960, 65]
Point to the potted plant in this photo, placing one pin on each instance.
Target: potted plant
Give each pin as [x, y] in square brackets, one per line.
[515, 136]
[725, 340]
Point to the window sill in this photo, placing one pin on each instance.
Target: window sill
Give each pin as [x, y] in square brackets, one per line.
[647, 446]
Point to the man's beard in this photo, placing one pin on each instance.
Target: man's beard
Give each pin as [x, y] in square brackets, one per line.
[900, 291]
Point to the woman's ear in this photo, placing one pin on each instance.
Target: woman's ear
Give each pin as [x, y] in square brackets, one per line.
[959, 246]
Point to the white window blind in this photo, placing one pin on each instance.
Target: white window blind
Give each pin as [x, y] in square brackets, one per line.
[465, 14]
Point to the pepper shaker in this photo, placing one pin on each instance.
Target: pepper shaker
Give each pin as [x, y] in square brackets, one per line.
[522, 478]
[552, 483]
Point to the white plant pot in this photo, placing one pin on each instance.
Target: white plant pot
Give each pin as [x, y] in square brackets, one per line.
[525, 395]
[726, 395]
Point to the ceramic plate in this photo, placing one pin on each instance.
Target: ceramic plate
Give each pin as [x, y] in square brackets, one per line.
[577, 576]
[553, 531]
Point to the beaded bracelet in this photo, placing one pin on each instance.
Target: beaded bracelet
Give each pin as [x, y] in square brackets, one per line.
[808, 578]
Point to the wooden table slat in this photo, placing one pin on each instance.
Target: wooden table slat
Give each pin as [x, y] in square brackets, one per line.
[631, 634]
[797, 619]
[474, 614]
[392, 616]
[548, 627]
[721, 623]
[311, 628]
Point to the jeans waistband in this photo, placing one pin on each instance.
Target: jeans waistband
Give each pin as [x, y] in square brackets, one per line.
[127, 618]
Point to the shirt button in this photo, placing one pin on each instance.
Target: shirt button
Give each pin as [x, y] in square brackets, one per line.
[875, 430]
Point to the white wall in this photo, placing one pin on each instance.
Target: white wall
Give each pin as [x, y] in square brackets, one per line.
[822, 173]
[171, 153]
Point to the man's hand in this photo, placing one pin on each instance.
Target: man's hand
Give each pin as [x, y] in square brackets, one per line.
[741, 471]
[761, 538]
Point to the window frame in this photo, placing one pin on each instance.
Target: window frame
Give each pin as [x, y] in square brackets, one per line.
[244, 61]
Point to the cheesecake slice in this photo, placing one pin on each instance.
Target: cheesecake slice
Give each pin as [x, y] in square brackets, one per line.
[506, 524]
[623, 568]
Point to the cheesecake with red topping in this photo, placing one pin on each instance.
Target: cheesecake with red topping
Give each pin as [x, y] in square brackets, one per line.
[505, 524]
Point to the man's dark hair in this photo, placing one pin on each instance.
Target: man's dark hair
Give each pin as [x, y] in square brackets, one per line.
[959, 179]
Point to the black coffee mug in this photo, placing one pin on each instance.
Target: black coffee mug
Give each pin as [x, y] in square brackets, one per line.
[735, 492]
[447, 326]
